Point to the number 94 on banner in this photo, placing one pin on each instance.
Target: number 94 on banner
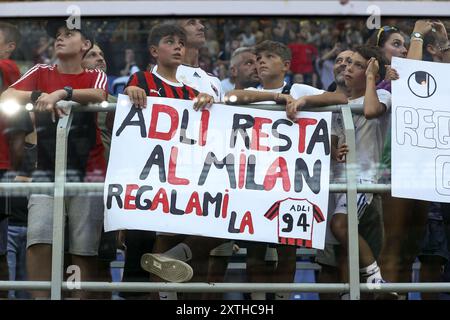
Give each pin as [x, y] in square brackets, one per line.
[296, 219]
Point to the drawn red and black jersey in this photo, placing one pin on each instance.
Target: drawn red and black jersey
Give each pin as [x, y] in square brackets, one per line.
[156, 86]
[296, 218]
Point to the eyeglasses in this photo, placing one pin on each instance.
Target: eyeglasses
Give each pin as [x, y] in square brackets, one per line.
[384, 29]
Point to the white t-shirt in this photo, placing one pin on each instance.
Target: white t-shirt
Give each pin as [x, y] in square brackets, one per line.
[134, 69]
[297, 91]
[201, 81]
[369, 136]
[226, 85]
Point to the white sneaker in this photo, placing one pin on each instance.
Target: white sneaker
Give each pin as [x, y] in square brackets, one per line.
[169, 269]
[344, 296]
[383, 295]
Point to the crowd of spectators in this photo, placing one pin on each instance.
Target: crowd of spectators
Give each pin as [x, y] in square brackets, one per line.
[313, 43]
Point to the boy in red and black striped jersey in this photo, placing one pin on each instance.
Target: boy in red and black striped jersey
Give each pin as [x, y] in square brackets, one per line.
[44, 86]
[155, 85]
[166, 46]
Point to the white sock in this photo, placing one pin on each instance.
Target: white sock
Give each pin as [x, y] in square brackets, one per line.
[258, 295]
[282, 296]
[180, 252]
[371, 272]
[168, 296]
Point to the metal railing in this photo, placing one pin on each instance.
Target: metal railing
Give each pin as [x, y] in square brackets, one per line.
[60, 189]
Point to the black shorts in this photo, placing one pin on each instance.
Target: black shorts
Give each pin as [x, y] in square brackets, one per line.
[108, 246]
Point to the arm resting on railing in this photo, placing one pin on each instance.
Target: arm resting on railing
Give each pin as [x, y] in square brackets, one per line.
[319, 100]
[22, 97]
[236, 97]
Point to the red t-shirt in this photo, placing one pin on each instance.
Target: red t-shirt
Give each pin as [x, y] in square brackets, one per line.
[83, 131]
[303, 56]
[96, 164]
[9, 73]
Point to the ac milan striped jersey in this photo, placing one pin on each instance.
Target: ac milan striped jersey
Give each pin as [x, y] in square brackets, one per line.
[157, 86]
[200, 80]
[295, 220]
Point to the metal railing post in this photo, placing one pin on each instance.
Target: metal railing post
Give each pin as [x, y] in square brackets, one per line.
[62, 133]
[353, 247]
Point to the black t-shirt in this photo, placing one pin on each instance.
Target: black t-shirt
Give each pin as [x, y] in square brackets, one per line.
[82, 137]
[16, 208]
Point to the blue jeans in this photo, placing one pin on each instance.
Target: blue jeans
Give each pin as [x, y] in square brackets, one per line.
[17, 249]
[3, 236]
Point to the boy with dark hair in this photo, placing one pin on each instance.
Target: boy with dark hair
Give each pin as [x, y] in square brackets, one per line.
[276, 48]
[166, 45]
[365, 68]
[273, 62]
[190, 73]
[44, 86]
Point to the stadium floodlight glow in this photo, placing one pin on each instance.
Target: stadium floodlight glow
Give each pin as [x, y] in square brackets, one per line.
[29, 107]
[104, 104]
[10, 107]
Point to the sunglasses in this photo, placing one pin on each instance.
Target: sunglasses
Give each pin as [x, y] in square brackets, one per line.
[382, 30]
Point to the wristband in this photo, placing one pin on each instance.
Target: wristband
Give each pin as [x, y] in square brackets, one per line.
[69, 91]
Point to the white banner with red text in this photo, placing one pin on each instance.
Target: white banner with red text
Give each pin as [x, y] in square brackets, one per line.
[226, 172]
